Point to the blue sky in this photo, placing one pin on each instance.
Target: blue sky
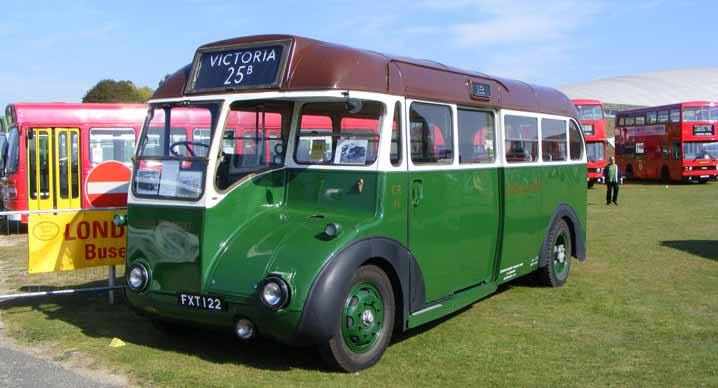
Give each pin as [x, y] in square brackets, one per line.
[56, 50]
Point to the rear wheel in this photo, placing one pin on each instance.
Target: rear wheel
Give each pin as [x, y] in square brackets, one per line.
[590, 184]
[556, 253]
[366, 322]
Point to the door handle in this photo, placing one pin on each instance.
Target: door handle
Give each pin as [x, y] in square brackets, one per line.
[417, 192]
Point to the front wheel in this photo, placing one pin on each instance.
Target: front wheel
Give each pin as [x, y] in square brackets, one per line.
[366, 322]
[556, 253]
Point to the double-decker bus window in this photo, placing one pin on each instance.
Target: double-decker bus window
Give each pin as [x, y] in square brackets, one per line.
[675, 115]
[640, 120]
[700, 150]
[640, 149]
[431, 133]
[111, 144]
[330, 134]
[521, 135]
[595, 151]
[652, 117]
[663, 116]
[703, 113]
[553, 140]
[476, 136]
[630, 120]
[575, 141]
[590, 112]
[62, 163]
[396, 141]
[622, 121]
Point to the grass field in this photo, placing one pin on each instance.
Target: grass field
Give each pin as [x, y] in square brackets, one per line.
[642, 311]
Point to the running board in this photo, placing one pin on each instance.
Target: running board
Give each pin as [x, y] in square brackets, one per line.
[451, 304]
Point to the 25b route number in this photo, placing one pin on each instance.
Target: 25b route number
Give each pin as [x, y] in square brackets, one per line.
[237, 73]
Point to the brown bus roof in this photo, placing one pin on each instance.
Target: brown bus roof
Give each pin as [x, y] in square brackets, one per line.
[317, 65]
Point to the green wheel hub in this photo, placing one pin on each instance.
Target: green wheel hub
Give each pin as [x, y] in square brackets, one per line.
[362, 317]
[560, 254]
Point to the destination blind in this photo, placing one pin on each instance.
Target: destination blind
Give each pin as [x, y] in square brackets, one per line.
[239, 67]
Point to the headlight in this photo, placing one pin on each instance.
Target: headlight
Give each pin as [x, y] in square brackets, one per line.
[599, 169]
[137, 277]
[274, 292]
[119, 219]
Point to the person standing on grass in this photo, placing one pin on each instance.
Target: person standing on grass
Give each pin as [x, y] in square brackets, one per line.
[612, 177]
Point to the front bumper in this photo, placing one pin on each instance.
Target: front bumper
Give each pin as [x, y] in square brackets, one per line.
[280, 325]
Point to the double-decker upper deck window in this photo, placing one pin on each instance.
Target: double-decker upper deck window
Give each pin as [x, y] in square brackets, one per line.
[521, 139]
[700, 113]
[553, 140]
[675, 115]
[431, 133]
[640, 120]
[329, 134]
[663, 116]
[254, 139]
[590, 112]
[168, 165]
[476, 136]
[111, 144]
[652, 117]
[575, 141]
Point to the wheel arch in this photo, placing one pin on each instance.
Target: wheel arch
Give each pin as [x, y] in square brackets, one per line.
[319, 317]
[578, 247]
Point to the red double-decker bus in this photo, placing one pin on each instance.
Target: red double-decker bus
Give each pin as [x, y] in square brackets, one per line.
[677, 142]
[53, 146]
[593, 122]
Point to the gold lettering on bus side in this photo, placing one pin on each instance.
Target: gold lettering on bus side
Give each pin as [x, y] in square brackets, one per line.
[395, 189]
[525, 189]
[397, 204]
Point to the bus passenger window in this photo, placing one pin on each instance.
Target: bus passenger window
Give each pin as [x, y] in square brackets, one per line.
[675, 115]
[395, 155]
[553, 140]
[575, 142]
[431, 133]
[640, 120]
[676, 151]
[331, 135]
[663, 116]
[521, 138]
[476, 136]
[652, 117]
[111, 144]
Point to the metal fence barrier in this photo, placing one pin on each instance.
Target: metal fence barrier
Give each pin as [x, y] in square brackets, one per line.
[17, 283]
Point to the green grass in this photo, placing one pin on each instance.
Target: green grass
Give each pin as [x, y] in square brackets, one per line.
[642, 311]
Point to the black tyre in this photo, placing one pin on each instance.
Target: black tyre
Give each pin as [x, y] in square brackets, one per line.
[702, 181]
[556, 253]
[366, 322]
[590, 184]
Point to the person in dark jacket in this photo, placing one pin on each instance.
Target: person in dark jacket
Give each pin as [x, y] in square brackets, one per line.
[612, 177]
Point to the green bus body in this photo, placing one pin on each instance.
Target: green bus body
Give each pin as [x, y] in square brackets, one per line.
[444, 237]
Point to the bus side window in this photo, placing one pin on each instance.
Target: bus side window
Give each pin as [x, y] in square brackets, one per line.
[476, 136]
[395, 155]
[521, 138]
[575, 142]
[431, 133]
[553, 140]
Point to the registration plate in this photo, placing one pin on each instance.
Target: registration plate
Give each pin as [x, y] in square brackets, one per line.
[201, 302]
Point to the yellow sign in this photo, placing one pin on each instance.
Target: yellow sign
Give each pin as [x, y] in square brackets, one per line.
[317, 152]
[74, 240]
